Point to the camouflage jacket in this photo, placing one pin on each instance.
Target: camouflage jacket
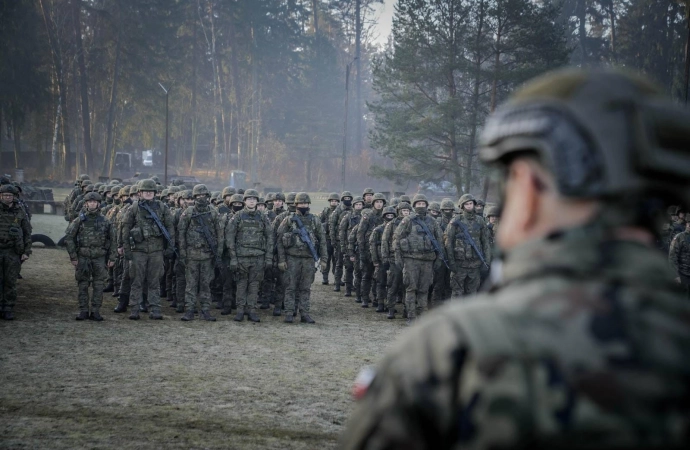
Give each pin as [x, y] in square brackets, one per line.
[583, 343]
[145, 235]
[249, 233]
[91, 235]
[679, 255]
[325, 219]
[443, 222]
[353, 249]
[375, 241]
[347, 223]
[334, 222]
[458, 248]
[387, 250]
[370, 219]
[15, 229]
[194, 244]
[290, 243]
[69, 199]
[493, 229]
[411, 241]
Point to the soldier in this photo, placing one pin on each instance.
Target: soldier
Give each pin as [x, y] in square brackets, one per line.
[368, 196]
[282, 277]
[249, 242]
[15, 247]
[381, 264]
[333, 201]
[479, 207]
[584, 325]
[77, 200]
[468, 245]
[492, 214]
[76, 192]
[184, 201]
[350, 260]
[394, 286]
[301, 242]
[89, 244]
[201, 244]
[261, 205]
[333, 228]
[435, 210]
[366, 226]
[229, 300]
[145, 225]
[679, 257]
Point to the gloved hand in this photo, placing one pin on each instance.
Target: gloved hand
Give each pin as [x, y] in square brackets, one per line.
[282, 266]
[324, 265]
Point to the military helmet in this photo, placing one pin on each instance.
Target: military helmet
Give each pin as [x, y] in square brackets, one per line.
[357, 199]
[84, 177]
[404, 205]
[156, 179]
[262, 201]
[134, 189]
[159, 189]
[367, 191]
[116, 190]
[92, 196]
[124, 191]
[251, 193]
[466, 198]
[447, 203]
[88, 188]
[345, 194]
[228, 190]
[270, 196]
[85, 183]
[280, 196]
[302, 197]
[388, 210]
[434, 206]
[333, 196]
[600, 132]
[186, 194]
[394, 201]
[480, 202]
[493, 211]
[165, 192]
[8, 189]
[97, 185]
[215, 195]
[237, 198]
[200, 189]
[405, 198]
[291, 198]
[102, 188]
[379, 196]
[174, 189]
[419, 198]
[147, 185]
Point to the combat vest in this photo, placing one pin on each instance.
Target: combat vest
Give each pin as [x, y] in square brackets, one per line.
[11, 233]
[91, 236]
[197, 247]
[462, 249]
[293, 244]
[387, 251]
[334, 222]
[250, 239]
[145, 236]
[375, 244]
[413, 241]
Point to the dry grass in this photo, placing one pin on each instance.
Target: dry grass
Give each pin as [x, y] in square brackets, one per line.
[153, 384]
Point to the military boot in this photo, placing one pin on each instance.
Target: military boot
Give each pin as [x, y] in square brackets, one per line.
[288, 318]
[265, 305]
[348, 291]
[207, 316]
[239, 317]
[189, 315]
[365, 302]
[180, 307]
[306, 319]
[337, 287]
[411, 321]
[122, 303]
[83, 315]
[96, 315]
[276, 311]
[134, 313]
[156, 315]
[325, 279]
[253, 317]
[380, 308]
[391, 313]
[144, 305]
[359, 300]
[173, 304]
[109, 287]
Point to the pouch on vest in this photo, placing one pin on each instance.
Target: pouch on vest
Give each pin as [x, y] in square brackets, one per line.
[137, 235]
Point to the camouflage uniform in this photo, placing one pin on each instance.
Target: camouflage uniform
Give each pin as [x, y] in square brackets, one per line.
[325, 222]
[349, 250]
[272, 286]
[15, 241]
[89, 242]
[370, 220]
[282, 277]
[394, 287]
[179, 268]
[380, 263]
[333, 228]
[679, 258]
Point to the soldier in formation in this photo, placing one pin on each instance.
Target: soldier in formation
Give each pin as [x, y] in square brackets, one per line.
[15, 247]
[333, 202]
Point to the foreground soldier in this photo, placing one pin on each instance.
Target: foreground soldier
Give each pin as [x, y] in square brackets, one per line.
[679, 257]
[249, 241]
[89, 243]
[302, 241]
[15, 247]
[583, 342]
[144, 243]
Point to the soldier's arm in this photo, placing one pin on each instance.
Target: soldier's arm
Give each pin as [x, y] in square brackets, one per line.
[352, 241]
[373, 248]
[26, 232]
[268, 237]
[385, 250]
[673, 254]
[361, 235]
[71, 239]
[127, 224]
[230, 237]
[438, 235]
[396, 242]
[109, 242]
[167, 220]
[449, 241]
[342, 233]
[283, 228]
[220, 232]
[333, 227]
[182, 226]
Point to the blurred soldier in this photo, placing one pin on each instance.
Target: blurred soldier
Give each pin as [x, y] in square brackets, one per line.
[200, 248]
[229, 302]
[394, 288]
[302, 241]
[415, 245]
[333, 228]
[146, 224]
[479, 207]
[381, 266]
[405, 198]
[89, 244]
[350, 260]
[333, 201]
[583, 341]
[15, 247]
[679, 257]
[118, 271]
[492, 214]
[468, 245]
[185, 199]
[249, 242]
[366, 226]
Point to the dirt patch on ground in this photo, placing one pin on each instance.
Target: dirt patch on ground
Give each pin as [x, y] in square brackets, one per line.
[161, 384]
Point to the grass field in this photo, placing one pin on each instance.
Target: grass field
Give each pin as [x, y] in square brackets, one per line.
[172, 384]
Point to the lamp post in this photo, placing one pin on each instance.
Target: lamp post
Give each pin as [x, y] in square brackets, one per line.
[347, 100]
[165, 169]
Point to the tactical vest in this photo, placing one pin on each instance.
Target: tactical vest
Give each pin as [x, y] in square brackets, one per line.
[250, 235]
[145, 233]
[196, 241]
[292, 242]
[11, 233]
[462, 248]
[417, 243]
[93, 235]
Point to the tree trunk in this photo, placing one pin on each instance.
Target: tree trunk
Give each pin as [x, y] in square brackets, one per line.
[111, 110]
[315, 11]
[475, 100]
[16, 136]
[194, 88]
[581, 30]
[358, 81]
[612, 18]
[85, 116]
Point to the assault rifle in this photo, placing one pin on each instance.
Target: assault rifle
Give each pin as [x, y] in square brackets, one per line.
[305, 237]
[208, 237]
[469, 239]
[434, 242]
[159, 224]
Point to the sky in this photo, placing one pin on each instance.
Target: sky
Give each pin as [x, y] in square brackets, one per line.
[385, 20]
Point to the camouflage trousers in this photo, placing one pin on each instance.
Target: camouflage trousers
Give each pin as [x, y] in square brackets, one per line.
[353, 276]
[169, 278]
[301, 273]
[329, 260]
[338, 263]
[367, 277]
[180, 282]
[465, 281]
[146, 270]
[250, 273]
[10, 263]
[117, 274]
[126, 278]
[417, 276]
[198, 274]
[271, 285]
[394, 289]
[440, 287]
[381, 277]
[92, 271]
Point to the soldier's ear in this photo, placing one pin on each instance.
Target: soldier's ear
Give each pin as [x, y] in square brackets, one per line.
[521, 206]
